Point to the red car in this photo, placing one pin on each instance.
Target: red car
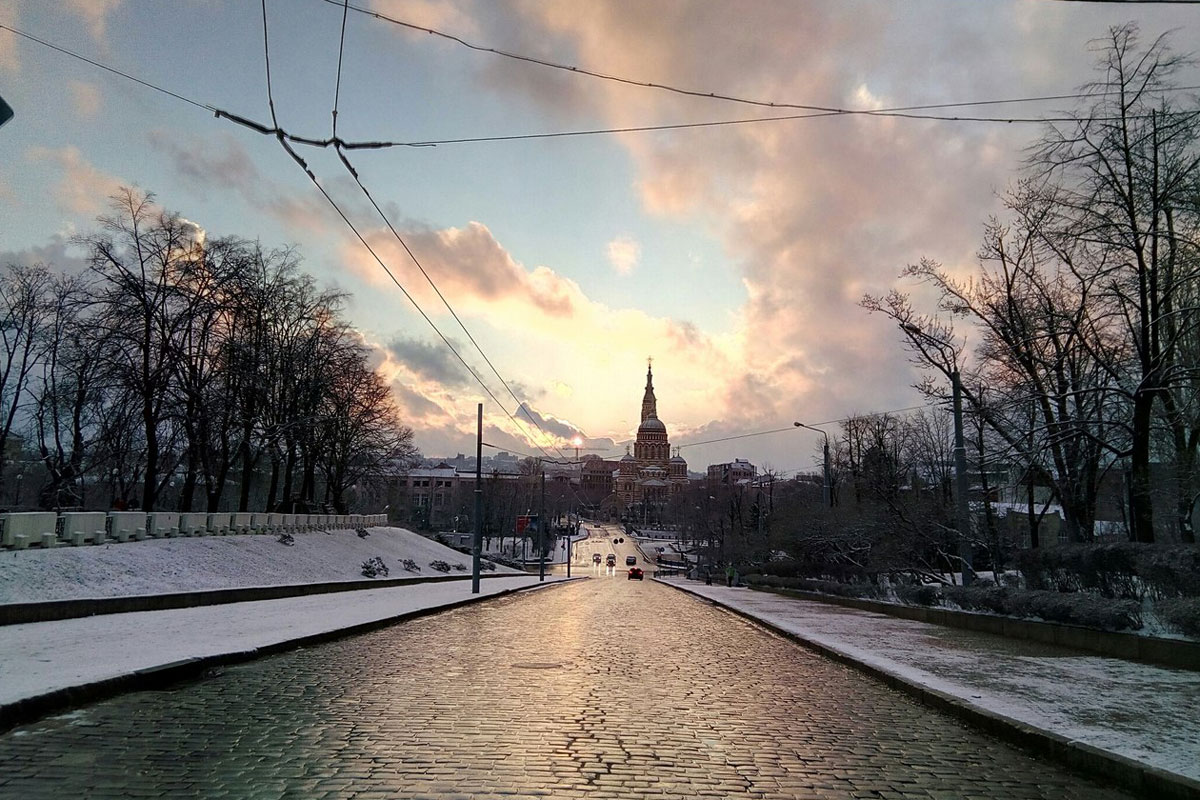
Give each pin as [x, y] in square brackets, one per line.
[635, 574]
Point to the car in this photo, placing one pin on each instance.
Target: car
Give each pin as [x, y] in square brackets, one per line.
[595, 558]
[635, 574]
[630, 561]
[612, 559]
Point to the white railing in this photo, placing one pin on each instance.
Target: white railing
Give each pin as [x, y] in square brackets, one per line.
[22, 530]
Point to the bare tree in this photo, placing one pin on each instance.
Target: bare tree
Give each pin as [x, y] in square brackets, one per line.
[23, 316]
[1121, 183]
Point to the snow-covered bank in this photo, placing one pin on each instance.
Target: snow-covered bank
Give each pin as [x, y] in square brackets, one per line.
[39, 658]
[161, 566]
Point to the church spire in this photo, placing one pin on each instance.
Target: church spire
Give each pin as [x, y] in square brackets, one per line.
[649, 403]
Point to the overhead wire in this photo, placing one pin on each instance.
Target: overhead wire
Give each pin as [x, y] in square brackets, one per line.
[416, 261]
[710, 95]
[313, 178]
[335, 141]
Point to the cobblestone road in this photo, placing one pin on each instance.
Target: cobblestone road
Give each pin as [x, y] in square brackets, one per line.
[600, 689]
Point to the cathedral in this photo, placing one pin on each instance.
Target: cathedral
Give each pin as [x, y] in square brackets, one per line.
[649, 475]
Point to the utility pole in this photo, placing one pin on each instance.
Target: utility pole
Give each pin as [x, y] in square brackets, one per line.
[542, 530]
[477, 539]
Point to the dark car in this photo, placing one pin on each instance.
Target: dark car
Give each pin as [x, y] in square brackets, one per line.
[635, 574]
[630, 561]
[612, 559]
[595, 558]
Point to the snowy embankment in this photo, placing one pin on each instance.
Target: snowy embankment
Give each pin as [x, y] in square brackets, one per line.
[162, 566]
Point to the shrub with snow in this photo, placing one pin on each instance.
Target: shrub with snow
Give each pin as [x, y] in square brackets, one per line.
[374, 567]
[286, 538]
[440, 566]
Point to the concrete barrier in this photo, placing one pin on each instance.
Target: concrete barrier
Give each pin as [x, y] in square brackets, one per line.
[83, 527]
[259, 525]
[240, 523]
[193, 523]
[218, 524]
[19, 530]
[162, 525]
[127, 526]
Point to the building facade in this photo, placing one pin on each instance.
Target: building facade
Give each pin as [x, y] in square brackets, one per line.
[650, 474]
[732, 473]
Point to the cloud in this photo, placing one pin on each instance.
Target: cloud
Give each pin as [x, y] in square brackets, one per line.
[10, 60]
[58, 253]
[83, 189]
[466, 261]
[220, 163]
[624, 253]
[94, 13]
[431, 361]
[444, 15]
[811, 213]
[85, 98]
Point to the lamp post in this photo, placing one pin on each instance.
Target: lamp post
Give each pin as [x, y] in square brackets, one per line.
[962, 510]
[826, 486]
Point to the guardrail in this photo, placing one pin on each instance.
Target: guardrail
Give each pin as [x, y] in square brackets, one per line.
[44, 529]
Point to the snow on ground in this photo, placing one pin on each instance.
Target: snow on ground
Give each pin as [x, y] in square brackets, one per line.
[160, 566]
[41, 657]
[1147, 713]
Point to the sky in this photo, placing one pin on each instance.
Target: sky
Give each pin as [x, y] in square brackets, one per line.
[735, 256]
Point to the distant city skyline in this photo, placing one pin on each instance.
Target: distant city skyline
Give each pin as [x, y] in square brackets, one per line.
[735, 255]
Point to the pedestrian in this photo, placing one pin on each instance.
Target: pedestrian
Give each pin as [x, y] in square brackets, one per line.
[729, 573]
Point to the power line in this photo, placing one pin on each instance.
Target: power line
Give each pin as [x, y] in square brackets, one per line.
[388, 222]
[335, 141]
[313, 178]
[827, 110]
[107, 68]
[809, 425]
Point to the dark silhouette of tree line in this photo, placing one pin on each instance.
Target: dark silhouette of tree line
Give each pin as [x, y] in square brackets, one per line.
[180, 371]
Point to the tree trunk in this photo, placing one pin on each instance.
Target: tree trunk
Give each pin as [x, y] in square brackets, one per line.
[1140, 497]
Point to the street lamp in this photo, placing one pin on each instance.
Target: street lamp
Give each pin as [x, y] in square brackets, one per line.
[962, 511]
[827, 487]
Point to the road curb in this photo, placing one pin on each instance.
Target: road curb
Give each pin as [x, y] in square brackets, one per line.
[1143, 779]
[53, 610]
[31, 709]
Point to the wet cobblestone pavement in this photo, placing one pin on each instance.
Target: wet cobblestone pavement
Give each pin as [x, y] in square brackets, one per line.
[600, 689]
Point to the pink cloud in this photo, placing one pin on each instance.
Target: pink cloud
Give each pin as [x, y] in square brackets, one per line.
[83, 189]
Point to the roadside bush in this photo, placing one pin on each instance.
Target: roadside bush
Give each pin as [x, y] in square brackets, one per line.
[918, 595]
[1170, 571]
[1078, 608]
[1122, 570]
[1180, 613]
[508, 562]
[410, 565]
[440, 566]
[374, 567]
[990, 599]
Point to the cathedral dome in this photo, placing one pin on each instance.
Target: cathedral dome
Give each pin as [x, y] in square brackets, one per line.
[652, 424]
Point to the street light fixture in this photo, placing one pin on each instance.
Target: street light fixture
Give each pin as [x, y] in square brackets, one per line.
[827, 487]
[962, 511]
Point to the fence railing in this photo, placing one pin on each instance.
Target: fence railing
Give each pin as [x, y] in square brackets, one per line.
[22, 530]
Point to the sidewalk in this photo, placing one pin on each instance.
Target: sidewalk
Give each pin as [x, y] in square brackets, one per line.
[1107, 714]
[48, 666]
